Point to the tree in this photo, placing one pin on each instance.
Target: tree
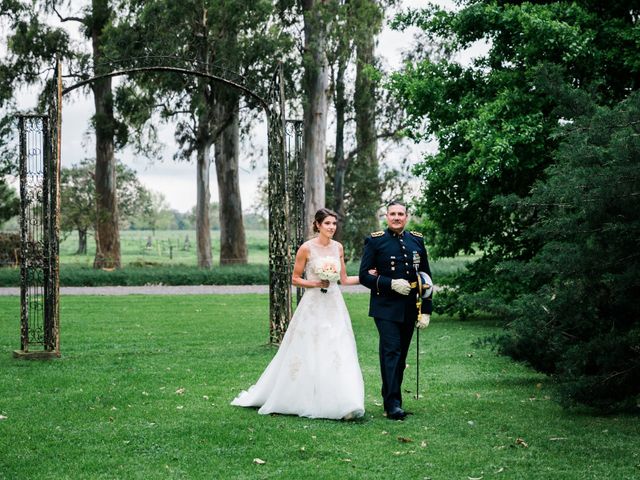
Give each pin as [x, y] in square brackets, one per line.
[356, 180]
[578, 317]
[232, 37]
[552, 208]
[214, 215]
[96, 19]
[158, 215]
[9, 202]
[493, 119]
[316, 104]
[78, 204]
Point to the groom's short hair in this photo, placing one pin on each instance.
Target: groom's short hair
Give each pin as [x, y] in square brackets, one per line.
[397, 202]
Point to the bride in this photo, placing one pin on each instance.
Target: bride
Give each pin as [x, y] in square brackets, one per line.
[315, 372]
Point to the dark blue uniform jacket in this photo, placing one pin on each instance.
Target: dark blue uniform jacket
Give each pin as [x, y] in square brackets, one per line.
[393, 256]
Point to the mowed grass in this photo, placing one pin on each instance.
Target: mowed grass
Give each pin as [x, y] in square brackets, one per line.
[144, 384]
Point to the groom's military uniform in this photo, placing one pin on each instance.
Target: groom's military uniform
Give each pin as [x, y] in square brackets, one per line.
[394, 256]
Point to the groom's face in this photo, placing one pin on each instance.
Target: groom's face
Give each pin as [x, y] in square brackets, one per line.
[397, 218]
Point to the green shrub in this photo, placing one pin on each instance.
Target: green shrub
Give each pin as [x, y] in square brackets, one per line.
[579, 317]
[9, 249]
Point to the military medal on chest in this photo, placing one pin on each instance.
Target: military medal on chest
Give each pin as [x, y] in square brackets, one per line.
[416, 260]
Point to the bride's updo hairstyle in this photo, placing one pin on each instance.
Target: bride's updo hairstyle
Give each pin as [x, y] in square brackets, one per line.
[321, 215]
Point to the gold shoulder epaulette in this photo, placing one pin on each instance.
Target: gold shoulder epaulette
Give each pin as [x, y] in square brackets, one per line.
[379, 233]
[416, 234]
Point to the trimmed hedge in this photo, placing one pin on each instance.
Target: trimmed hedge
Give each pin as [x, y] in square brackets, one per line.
[82, 276]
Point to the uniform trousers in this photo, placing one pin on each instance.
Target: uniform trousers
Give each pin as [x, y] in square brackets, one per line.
[395, 338]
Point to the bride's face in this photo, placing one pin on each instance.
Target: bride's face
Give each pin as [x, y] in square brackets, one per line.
[328, 226]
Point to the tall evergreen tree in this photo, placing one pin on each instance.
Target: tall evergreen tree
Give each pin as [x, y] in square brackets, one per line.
[578, 317]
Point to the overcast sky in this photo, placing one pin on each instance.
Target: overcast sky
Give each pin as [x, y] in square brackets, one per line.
[176, 180]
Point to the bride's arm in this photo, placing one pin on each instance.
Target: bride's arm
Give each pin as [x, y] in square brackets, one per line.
[298, 270]
[344, 279]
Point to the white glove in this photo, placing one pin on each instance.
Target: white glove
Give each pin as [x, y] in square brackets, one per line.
[401, 286]
[425, 318]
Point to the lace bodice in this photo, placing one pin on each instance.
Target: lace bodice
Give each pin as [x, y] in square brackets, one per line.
[317, 253]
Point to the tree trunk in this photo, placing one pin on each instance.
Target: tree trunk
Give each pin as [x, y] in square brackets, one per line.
[203, 229]
[365, 114]
[340, 161]
[316, 86]
[82, 241]
[233, 244]
[107, 229]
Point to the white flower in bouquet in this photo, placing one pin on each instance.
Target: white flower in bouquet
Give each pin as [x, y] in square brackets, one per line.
[328, 268]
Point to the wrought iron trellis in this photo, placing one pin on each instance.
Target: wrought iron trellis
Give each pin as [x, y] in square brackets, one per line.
[39, 318]
[295, 188]
[44, 289]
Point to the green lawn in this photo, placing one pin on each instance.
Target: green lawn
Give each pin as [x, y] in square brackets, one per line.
[144, 384]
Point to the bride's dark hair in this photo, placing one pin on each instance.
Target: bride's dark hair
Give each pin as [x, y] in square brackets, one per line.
[321, 215]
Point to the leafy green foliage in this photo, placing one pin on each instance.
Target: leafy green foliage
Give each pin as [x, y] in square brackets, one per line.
[579, 317]
[493, 119]
[9, 202]
[78, 196]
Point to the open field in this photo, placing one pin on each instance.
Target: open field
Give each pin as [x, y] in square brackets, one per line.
[144, 384]
[175, 247]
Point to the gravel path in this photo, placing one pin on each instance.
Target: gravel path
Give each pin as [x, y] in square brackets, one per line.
[171, 290]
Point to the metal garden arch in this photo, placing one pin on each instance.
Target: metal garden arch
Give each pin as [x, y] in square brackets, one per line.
[40, 160]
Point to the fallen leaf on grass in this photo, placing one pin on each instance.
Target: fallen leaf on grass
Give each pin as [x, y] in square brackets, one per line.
[206, 397]
[345, 460]
[475, 478]
[404, 440]
[553, 439]
[180, 391]
[384, 432]
[423, 444]
[2, 417]
[520, 441]
[500, 470]
[259, 461]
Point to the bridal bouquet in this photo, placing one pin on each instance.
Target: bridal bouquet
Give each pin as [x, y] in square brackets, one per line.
[328, 268]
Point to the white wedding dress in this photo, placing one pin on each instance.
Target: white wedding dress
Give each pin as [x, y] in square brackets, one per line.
[315, 372]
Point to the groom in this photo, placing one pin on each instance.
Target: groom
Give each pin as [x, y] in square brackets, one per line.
[395, 255]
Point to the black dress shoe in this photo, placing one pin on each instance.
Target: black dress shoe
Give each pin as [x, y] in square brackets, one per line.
[396, 414]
